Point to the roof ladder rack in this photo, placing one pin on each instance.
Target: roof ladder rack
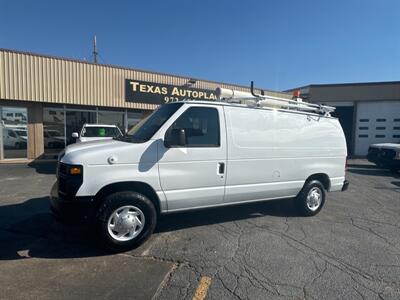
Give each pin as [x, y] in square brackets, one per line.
[261, 100]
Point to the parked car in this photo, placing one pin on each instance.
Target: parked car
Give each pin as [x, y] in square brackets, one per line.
[93, 132]
[190, 155]
[386, 155]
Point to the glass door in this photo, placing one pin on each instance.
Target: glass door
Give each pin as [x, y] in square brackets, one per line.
[14, 132]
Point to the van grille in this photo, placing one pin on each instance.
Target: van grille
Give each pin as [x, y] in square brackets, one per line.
[68, 185]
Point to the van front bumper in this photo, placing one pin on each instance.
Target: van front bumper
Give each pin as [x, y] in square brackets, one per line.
[75, 210]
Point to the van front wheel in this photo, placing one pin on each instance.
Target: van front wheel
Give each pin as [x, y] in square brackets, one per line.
[126, 219]
[311, 198]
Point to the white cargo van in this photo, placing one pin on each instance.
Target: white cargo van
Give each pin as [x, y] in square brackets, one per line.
[191, 154]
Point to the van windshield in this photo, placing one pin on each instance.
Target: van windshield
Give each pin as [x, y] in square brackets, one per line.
[146, 128]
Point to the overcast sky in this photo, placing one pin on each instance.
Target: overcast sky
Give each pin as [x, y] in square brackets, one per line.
[279, 44]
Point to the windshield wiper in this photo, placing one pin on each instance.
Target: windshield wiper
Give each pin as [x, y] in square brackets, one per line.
[129, 139]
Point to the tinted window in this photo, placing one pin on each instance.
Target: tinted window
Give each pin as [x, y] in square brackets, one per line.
[101, 131]
[201, 125]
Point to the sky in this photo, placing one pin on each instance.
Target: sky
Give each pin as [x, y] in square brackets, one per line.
[279, 44]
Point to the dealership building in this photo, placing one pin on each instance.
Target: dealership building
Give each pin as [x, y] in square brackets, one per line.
[368, 112]
[44, 99]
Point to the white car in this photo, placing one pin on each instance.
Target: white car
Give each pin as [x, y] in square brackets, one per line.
[197, 154]
[93, 132]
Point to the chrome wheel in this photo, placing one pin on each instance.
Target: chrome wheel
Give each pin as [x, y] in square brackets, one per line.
[314, 198]
[125, 223]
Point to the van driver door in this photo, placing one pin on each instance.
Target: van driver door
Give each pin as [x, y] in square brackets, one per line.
[192, 158]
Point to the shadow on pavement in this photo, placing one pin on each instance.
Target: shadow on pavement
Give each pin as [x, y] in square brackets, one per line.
[396, 183]
[175, 221]
[362, 166]
[28, 229]
[47, 167]
[376, 172]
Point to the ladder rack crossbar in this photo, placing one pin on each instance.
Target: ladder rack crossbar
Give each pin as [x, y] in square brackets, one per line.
[270, 101]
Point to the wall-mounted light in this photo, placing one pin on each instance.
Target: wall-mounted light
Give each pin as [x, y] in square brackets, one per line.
[191, 82]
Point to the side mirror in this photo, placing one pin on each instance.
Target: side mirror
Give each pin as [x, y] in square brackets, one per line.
[75, 135]
[175, 137]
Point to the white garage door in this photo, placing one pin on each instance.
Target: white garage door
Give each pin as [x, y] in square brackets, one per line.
[377, 122]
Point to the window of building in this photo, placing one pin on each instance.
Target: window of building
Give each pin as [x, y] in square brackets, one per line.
[134, 118]
[380, 136]
[53, 130]
[112, 118]
[363, 128]
[14, 132]
[380, 128]
[364, 120]
[74, 120]
[381, 120]
[363, 135]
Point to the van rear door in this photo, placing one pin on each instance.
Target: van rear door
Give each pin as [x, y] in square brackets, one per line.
[193, 174]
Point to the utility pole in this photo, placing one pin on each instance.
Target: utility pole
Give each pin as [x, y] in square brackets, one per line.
[95, 53]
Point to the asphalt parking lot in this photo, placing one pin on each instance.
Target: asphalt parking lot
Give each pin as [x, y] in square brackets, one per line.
[351, 250]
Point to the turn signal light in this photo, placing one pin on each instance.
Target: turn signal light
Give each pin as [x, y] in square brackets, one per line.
[75, 171]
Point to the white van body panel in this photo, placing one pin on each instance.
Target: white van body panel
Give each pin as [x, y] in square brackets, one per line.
[189, 176]
[271, 153]
[132, 163]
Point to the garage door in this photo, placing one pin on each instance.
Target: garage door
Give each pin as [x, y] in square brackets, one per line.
[377, 122]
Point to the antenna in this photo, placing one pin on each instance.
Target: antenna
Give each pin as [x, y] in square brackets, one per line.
[95, 53]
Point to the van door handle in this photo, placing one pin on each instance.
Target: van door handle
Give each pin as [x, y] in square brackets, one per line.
[221, 168]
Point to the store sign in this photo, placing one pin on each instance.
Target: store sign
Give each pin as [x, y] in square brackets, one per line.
[155, 93]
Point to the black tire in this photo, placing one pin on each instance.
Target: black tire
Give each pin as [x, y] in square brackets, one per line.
[301, 199]
[120, 199]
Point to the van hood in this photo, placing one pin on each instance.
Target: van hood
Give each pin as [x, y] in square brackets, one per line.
[104, 152]
[386, 146]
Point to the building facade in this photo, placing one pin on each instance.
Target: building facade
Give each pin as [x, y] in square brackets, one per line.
[368, 112]
[43, 99]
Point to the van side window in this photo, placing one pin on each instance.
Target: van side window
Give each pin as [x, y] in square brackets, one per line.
[201, 126]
